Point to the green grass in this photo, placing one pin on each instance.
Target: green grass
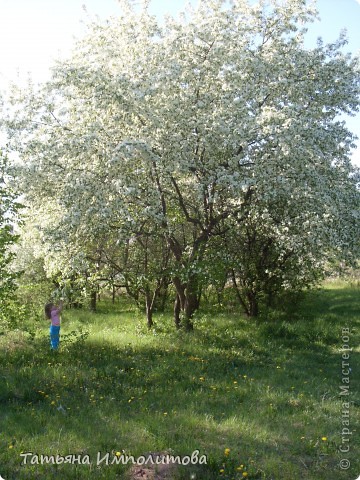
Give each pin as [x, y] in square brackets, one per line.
[267, 390]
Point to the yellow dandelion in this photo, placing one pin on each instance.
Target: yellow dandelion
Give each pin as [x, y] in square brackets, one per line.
[221, 470]
[118, 454]
[324, 439]
[245, 474]
[11, 446]
[227, 451]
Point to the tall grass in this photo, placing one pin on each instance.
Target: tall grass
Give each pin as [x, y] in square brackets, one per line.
[260, 399]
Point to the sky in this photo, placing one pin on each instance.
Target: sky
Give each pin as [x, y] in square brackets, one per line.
[33, 33]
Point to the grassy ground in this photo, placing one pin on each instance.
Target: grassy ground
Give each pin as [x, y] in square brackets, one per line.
[260, 399]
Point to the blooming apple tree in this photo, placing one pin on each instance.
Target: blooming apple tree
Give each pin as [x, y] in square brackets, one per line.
[189, 131]
[9, 209]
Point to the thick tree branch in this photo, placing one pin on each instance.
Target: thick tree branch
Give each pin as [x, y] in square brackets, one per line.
[190, 219]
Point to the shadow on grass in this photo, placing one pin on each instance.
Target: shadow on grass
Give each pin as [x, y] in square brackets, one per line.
[256, 388]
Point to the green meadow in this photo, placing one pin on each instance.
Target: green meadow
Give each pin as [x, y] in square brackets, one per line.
[260, 399]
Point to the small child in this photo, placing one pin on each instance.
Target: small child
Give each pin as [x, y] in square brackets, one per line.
[52, 312]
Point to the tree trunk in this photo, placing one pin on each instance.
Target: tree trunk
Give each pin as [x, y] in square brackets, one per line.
[177, 310]
[187, 302]
[149, 318]
[253, 305]
[149, 300]
[238, 294]
[191, 305]
[93, 301]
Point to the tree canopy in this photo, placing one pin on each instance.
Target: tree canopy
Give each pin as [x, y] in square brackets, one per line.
[9, 208]
[205, 149]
